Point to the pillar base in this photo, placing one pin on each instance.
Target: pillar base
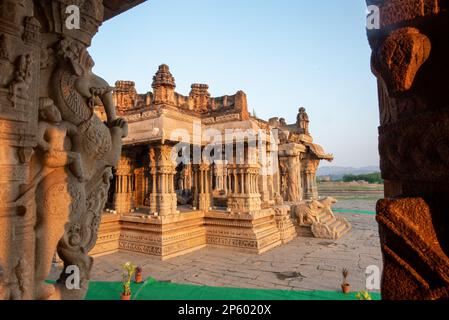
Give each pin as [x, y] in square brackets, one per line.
[166, 204]
[204, 202]
[165, 237]
[123, 202]
[284, 223]
[244, 203]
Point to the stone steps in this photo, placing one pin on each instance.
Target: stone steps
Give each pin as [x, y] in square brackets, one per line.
[330, 227]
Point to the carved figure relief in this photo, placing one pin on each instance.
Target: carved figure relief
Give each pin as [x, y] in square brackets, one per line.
[22, 78]
[302, 121]
[52, 139]
[308, 212]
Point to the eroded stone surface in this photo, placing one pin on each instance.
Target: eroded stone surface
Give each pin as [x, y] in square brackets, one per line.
[409, 53]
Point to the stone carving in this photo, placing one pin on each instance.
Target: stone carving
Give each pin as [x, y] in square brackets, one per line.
[52, 137]
[5, 65]
[199, 102]
[76, 89]
[200, 97]
[318, 215]
[405, 158]
[307, 212]
[400, 57]
[327, 203]
[293, 183]
[164, 86]
[125, 95]
[425, 277]
[302, 121]
[4, 48]
[55, 152]
[407, 59]
[22, 78]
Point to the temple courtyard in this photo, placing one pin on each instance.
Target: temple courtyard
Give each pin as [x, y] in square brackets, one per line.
[304, 264]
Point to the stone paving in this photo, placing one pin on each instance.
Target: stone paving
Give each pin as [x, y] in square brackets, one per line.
[356, 204]
[303, 264]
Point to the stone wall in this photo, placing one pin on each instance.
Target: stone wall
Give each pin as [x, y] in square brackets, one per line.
[409, 58]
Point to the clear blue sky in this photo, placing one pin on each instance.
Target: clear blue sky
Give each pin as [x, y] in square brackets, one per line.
[283, 53]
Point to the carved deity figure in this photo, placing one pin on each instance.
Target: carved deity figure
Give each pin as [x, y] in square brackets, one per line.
[52, 139]
[58, 190]
[302, 121]
[22, 78]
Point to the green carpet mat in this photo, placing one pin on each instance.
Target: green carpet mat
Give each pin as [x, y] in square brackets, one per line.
[154, 290]
[354, 211]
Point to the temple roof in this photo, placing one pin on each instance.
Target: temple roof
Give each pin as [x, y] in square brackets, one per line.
[113, 8]
[318, 151]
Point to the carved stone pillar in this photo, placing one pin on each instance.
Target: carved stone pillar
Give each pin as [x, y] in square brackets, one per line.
[290, 171]
[220, 175]
[139, 187]
[204, 197]
[195, 186]
[124, 196]
[56, 154]
[409, 59]
[163, 173]
[308, 177]
[293, 181]
[244, 196]
[19, 96]
[265, 180]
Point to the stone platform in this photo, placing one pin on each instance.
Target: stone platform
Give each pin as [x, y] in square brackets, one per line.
[305, 263]
[247, 233]
[174, 235]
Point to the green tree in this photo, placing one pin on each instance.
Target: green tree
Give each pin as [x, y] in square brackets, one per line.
[374, 177]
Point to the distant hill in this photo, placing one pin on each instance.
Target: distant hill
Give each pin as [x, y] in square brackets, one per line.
[338, 172]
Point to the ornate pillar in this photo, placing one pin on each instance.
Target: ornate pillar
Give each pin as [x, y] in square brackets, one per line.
[139, 187]
[246, 198]
[220, 175]
[124, 196]
[52, 192]
[204, 197]
[265, 181]
[308, 173]
[410, 60]
[196, 186]
[163, 199]
[154, 185]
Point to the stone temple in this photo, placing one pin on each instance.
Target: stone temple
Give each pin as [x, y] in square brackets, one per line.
[57, 156]
[259, 175]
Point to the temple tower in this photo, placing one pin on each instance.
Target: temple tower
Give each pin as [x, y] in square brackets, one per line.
[164, 86]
